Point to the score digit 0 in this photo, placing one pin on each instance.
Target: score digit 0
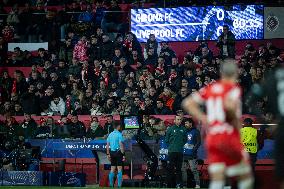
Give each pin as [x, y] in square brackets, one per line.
[220, 14]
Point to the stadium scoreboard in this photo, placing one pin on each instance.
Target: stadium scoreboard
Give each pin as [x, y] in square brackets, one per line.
[197, 23]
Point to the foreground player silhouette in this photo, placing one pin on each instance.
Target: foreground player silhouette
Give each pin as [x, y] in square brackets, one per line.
[272, 87]
[225, 152]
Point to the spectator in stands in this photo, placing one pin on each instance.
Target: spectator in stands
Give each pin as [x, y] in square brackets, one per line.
[18, 110]
[118, 42]
[62, 128]
[206, 54]
[110, 69]
[48, 67]
[11, 128]
[136, 60]
[226, 43]
[153, 93]
[152, 43]
[7, 108]
[95, 109]
[147, 108]
[131, 43]
[136, 105]
[167, 53]
[124, 65]
[79, 109]
[95, 131]
[117, 56]
[183, 93]
[28, 127]
[95, 48]
[74, 68]
[121, 79]
[80, 50]
[47, 97]
[161, 109]
[50, 122]
[42, 130]
[87, 99]
[30, 101]
[77, 128]
[151, 58]
[109, 106]
[62, 70]
[34, 79]
[161, 69]
[124, 107]
[174, 79]
[109, 126]
[57, 105]
[263, 52]
[42, 57]
[76, 92]
[66, 51]
[106, 51]
[168, 97]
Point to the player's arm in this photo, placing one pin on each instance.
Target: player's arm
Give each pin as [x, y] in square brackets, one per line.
[191, 104]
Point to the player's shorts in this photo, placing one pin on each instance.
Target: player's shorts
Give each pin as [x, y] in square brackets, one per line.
[224, 148]
[279, 152]
[116, 158]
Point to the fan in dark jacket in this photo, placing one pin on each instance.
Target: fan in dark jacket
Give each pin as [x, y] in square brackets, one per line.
[161, 109]
[30, 101]
[226, 43]
[77, 128]
[107, 47]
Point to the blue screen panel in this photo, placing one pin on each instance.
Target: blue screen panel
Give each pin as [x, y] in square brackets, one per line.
[197, 23]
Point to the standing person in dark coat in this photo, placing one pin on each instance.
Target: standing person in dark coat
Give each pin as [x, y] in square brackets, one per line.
[106, 48]
[226, 43]
[175, 138]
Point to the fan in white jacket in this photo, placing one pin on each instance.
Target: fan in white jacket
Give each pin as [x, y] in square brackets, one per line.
[57, 105]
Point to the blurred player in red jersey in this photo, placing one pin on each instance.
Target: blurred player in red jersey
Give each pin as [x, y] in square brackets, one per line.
[225, 153]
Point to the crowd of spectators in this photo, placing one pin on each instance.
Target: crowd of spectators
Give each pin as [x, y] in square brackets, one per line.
[92, 73]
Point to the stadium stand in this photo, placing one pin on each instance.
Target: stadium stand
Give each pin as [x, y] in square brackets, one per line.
[94, 66]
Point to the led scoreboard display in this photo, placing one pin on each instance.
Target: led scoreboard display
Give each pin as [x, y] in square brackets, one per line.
[197, 23]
